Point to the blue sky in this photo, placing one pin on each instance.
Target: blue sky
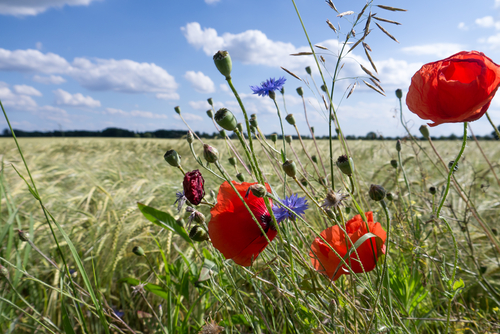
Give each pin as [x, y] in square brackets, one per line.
[92, 64]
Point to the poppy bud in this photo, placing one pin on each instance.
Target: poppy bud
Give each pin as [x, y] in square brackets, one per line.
[222, 133]
[274, 137]
[232, 161]
[24, 236]
[314, 159]
[330, 214]
[178, 110]
[190, 137]
[195, 216]
[337, 131]
[210, 153]
[376, 192]
[495, 231]
[424, 130]
[348, 210]
[253, 121]
[289, 168]
[389, 196]
[172, 158]
[240, 177]
[137, 250]
[433, 190]
[398, 145]
[272, 95]
[210, 101]
[258, 190]
[450, 164]
[239, 126]
[194, 187]
[303, 181]
[226, 120]
[180, 222]
[290, 119]
[308, 70]
[312, 129]
[4, 272]
[210, 113]
[300, 91]
[198, 234]
[222, 60]
[323, 88]
[344, 166]
[253, 129]
[288, 139]
[399, 93]
[394, 163]
[282, 90]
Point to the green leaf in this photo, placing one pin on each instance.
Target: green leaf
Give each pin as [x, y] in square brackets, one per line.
[164, 220]
[209, 269]
[458, 284]
[68, 328]
[150, 287]
[283, 156]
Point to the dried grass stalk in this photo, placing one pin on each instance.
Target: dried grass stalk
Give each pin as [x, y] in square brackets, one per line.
[386, 32]
[331, 25]
[392, 9]
[349, 12]
[321, 47]
[367, 71]
[332, 6]
[371, 60]
[352, 90]
[301, 54]
[366, 46]
[373, 87]
[291, 73]
[386, 20]
[377, 84]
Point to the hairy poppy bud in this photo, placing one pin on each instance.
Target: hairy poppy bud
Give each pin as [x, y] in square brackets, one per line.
[308, 70]
[210, 153]
[389, 196]
[348, 210]
[253, 129]
[314, 159]
[258, 190]
[300, 91]
[253, 121]
[394, 163]
[226, 120]
[399, 93]
[239, 126]
[282, 90]
[323, 88]
[210, 101]
[190, 137]
[194, 187]
[376, 192]
[344, 166]
[290, 119]
[274, 137]
[240, 177]
[232, 161]
[172, 158]
[312, 129]
[398, 145]
[137, 250]
[288, 139]
[195, 216]
[289, 168]
[210, 113]
[424, 130]
[272, 95]
[198, 234]
[4, 272]
[303, 181]
[222, 133]
[433, 190]
[222, 60]
[24, 236]
[177, 109]
[337, 131]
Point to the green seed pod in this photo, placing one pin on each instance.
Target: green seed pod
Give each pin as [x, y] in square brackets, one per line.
[232, 161]
[312, 129]
[433, 190]
[337, 131]
[198, 234]
[300, 91]
[424, 130]
[253, 121]
[398, 145]
[210, 153]
[394, 163]
[199, 218]
[389, 196]
[282, 90]
[376, 192]
[344, 166]
[137, 250]
[24, 236]
[222, 133]
[239, 126]
[258, 190]
[308, 70]
[177, 109]
[190, 137]
[210, 113]
[222, 60]
[314, 159]
[180, 222]
[495, 231]
[289, 168]
[303, 181]
[399, 93]
[274, 138]
[272, 95]
[348, 210]
[226, 120]
[290, 119]
[172, 158]
[323, 88]
[330, 214]
[288, 139]
[240, 177]
[210, 101]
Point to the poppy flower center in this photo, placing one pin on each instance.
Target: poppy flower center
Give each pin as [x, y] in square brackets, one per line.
[265, 221]
[464, 72]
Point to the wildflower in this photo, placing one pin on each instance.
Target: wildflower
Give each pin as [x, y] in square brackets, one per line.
[295, 203]
[181, 199]
[118, 313]
[334, 199]
[270, 85]
[456, 89]
[233, 231]
[194, 187]
[327, 262]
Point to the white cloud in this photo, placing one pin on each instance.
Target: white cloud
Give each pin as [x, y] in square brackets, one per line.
[189, 117]
[35, 7]
[224, 87]
[26, 90]
[436, 49]
[39, 45]
[488, 22]
[135, 113]
[203, 105]
[200, 82]
[75, 100]
[463, 26]
[15, 100]
[49, 80]
[32, 61]
[211, 2]
[492, 41]
[396, 72]
[497, 3]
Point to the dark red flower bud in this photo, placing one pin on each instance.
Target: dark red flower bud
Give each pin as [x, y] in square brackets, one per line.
[194, 187]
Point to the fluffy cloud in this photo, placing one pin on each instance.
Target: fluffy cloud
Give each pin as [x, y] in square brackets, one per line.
[135, 113]
[26, 90]
[35, 7]
[200, 82]
[14, 100]
[441, 50]
[75, 100]
[189, 117]
[211, 2]
[32, 61]
[49, 80]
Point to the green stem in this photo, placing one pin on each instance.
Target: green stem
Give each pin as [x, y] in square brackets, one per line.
[493, 125]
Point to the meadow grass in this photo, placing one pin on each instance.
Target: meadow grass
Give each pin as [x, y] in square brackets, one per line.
[92, 186]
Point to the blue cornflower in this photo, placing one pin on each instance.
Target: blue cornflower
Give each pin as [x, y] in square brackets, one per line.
[295, 203]
[269, 85]
[181, 200]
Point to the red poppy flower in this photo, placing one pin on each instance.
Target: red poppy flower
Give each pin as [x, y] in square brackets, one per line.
[233, 231]
[194, 187]
[326, 261]
[456, 89]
